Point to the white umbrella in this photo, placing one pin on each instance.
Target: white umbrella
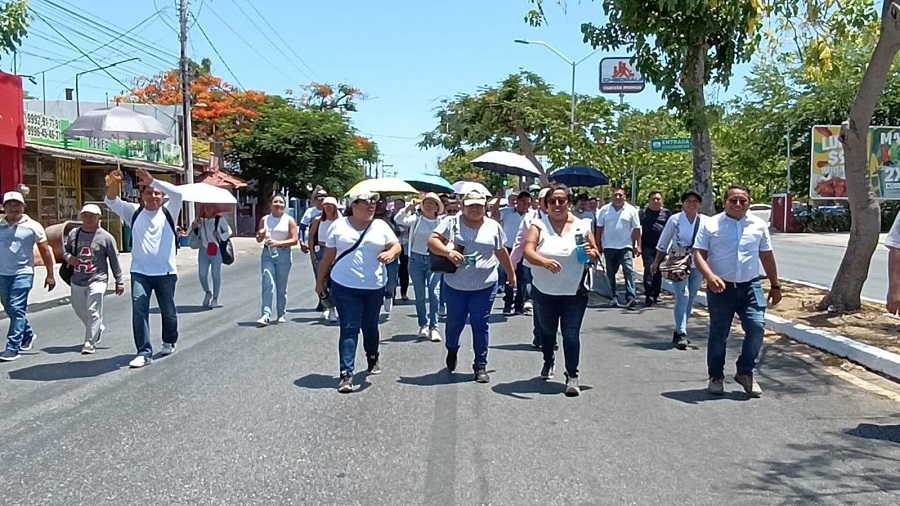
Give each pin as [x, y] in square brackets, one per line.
[505, 162]
[382, 186]
[117, 123]
[464, 187]
[206, 194]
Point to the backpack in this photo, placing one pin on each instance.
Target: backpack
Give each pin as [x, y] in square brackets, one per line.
[169, 219]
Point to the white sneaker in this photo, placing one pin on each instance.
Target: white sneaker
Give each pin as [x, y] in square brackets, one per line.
[423, 332]
[528, 306]
[88, 349]
[214, 303]
[388, 304]
[140, 361]
[326, 314]
[332, 315]
[281, 319]
[435, 336]
[263, 321]
[207, 299]
[168, 349]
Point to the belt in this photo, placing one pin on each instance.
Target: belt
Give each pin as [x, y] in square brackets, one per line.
[741, 284]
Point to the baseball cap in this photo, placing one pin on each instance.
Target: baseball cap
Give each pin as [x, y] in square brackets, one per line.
[321, 193]
[474, 198]
[330, 200]
[691, 193]
[543, 193]
[91, 208]
[534, 187]
[13, 196]
[365, 196]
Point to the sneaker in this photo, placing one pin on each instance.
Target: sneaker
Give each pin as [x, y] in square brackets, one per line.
[680, 340]
[28, 343]
[481, 375]
[750, 385]
[423, 332]
[613, 303]
[168, 349]
[648, 302]
[207, 298]
[99, 334]
[263, 321]
[332, 315]
[388, 304]
[536, 343]
[281, 319]
[547, 371]
[373, 368]
[716, 386]
[631, 305]
[214, 303]
[140, 361]
[88, 349]
[451, 359]
[346, 384]
[325, 314]
[9, 356]
[405, 298]
[572, 388]
[528, 306]
[508, 311]
[435, 335]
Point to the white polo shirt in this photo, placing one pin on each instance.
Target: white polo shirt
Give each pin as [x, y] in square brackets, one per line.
[734, 245]
[617, 225]
[893, 238]
[511, 220]
[17, 242]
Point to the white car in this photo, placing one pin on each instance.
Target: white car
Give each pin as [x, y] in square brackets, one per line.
[762, 211]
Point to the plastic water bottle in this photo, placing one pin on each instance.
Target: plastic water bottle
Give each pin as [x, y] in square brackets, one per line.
[581, 249]
[273, 251]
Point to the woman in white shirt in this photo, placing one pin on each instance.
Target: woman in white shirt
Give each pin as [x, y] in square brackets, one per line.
[420, 227]
[318, 231]
[210, 229]
[278, 232]
[356, 251]
[680, 232]
[557, 247]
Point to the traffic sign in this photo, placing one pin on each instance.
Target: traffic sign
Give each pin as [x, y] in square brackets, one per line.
[671, 144]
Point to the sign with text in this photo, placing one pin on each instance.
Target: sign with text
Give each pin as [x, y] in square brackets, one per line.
[827, 179]
[619, 75]
[671, 144]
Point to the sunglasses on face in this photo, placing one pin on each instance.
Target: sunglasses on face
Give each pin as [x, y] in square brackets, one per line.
[368, 201]
[452, 211]
[557, 201]
[739, 202]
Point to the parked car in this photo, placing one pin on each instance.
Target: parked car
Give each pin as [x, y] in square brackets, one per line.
[763, 211]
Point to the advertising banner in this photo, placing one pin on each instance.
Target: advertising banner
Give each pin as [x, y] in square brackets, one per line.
[827, 179]
[618, 75]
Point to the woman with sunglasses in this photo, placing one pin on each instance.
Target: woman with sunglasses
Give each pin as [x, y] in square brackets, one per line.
[318, 231]
[357, 249]
[279, 233]
[477, 251]
[557, 246]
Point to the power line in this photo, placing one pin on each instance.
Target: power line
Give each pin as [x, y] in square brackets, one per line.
[286, 44]
[213, 46]
[266, 36]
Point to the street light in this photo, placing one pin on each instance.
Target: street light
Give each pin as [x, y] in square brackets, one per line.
[570, 62]
[77, 99]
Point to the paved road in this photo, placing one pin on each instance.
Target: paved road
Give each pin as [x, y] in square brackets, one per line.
[241, 415]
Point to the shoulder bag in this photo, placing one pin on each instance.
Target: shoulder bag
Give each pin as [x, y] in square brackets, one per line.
[443, 264]
[326, 298]
[226, 249]
[677, 265]
[66, 271]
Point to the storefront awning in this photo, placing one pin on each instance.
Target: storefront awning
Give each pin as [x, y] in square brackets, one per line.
[103, 159]
[222, 180]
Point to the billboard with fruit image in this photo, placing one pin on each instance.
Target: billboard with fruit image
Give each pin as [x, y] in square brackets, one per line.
[827, 180]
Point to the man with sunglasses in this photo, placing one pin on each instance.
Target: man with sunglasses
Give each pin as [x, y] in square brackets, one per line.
[728, 250]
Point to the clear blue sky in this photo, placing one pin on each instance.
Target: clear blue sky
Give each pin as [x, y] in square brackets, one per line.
[405, 54]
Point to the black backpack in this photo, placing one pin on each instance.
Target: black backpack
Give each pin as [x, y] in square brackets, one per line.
[168, 219]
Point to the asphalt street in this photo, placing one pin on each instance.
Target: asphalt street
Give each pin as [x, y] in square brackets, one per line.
[241, 415]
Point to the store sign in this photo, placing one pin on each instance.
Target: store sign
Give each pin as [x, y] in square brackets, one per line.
[827, 179]
[671, 144]
[619, 75]
[48, 131]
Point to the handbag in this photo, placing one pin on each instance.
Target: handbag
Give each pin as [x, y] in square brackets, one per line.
[326, 298]
[66, 271]
[677, 265]
[226, 249]
[443, 264]
[595, 284]
[194, 239]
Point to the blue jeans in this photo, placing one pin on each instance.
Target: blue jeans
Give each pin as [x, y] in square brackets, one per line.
[393, 278]
[14, 292]
[208, 263]
[359, 310]
[748, 301]
[425, 285]
[476, 306]
[141, 288]
[275, 272]
[319, 254]
[625, 259]
[523, 280]
[685, 291]
[652, 282]
[563, 312]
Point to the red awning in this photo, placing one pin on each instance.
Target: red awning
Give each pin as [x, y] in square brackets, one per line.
[222, 180]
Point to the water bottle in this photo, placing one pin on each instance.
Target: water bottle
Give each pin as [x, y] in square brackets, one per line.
[273, 251]
[581, 249]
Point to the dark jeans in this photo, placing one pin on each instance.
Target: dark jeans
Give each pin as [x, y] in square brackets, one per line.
[748, 301]
[359, 310]
[563, 312]
[614, 259]
[141, 288]
[652, 282]
[404, 274]
[476, 306]
[14, 292]
[523, 280]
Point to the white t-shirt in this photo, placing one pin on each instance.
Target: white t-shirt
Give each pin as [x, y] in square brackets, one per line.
[734, 245]
[562, 249]
[893, 238]
[511, 220]
[17, 245]
[360, 268]
[618, 225]
[277, 229]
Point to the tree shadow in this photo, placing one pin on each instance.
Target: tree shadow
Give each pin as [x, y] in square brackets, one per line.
[881, 432]
[535, 386]
[62, 350]
[184, 309]
[71, 370]
[700, 395]
[437, 378]
[326, 382]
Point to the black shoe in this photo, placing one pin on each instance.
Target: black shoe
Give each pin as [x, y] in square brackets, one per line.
[507, 311]
[680, 340]
[27, 344]
[648, 302]
[536, 343]
[451, 359]
[481, 375]
[320, 307]
[346, 384]
[631, 305]
[547, 371]
[373, 365]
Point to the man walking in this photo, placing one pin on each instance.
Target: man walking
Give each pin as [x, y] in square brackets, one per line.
[303, 225]
[510, 219]
[92, 252]
[653, 221]
[618, 236]
[152, 258]
[728, 250]
[18, 235]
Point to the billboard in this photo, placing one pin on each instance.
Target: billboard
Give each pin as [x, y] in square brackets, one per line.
[619, 75]
[827, 179]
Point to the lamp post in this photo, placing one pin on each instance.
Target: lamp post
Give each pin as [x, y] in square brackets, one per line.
[77, 99]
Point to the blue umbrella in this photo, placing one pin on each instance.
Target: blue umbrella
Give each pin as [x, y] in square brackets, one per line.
[430, 183]
[579, 175]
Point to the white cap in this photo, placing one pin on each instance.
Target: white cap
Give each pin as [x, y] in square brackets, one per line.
[13, 196]
[91, 208]
[330, 200]
[474, 198]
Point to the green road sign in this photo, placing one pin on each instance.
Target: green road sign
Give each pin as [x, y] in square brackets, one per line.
[671, 144]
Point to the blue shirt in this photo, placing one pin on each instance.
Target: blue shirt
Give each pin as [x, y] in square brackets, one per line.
[734, 245]
[17, 245]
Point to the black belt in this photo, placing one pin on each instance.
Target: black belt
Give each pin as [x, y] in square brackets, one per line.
[744, 284]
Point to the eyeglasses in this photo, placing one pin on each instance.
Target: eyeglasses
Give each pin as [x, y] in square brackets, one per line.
[739, 202]
[452, 211]
[557, 201]
[369, 201]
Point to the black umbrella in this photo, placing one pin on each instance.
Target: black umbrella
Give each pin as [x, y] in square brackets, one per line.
[580, 175]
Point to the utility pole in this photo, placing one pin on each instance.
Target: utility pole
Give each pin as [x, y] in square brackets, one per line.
[186, 104]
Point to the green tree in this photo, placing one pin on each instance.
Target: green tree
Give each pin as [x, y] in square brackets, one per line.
[14, 20]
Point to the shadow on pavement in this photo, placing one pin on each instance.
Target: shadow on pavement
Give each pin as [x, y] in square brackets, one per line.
[535, 386]
[405, 338]
[62, 350]
[71, 370]
[184, 309]
[326, 382]
[441, 377]
[302, 311]
[247, 324]
[699, 395]
[515, 347]
[881, 432]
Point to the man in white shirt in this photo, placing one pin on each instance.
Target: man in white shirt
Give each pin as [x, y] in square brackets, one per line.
[510, 219]
[893, 243]
[728, 250]
[618, 236]
[154, 241]
[303, 225]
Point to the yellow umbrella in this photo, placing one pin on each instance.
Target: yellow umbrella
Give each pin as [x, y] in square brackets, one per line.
[382, 186]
